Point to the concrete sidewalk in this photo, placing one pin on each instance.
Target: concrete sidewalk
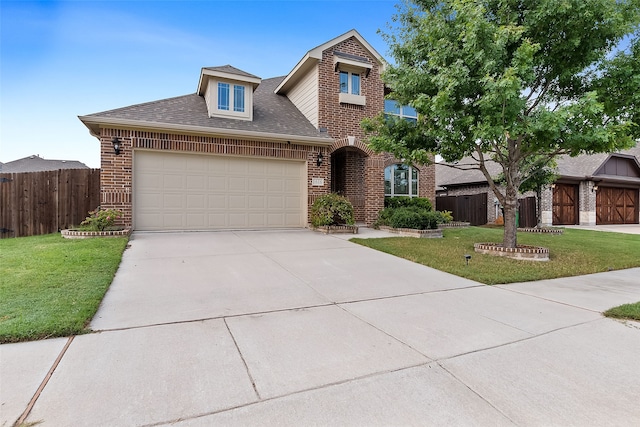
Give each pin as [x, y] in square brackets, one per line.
[300, 328]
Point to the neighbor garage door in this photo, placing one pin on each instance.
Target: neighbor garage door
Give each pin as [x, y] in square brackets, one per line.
[202, 192]
[617, 205]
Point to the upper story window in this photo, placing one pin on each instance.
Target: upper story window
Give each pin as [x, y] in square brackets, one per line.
[406, 112]
[228, 92]
[400, 180]
[352, 69]
[349, 82]
[228, 97]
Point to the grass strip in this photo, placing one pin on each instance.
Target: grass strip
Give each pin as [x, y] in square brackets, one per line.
[51, 286]
[573, 253]
[625, 311]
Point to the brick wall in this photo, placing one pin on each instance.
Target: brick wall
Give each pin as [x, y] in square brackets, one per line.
[116, 171]
[365, 170]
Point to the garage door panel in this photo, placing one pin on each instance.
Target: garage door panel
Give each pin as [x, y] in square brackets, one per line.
[172, 201]
[275, 186]
[237, 184]
[217, 201]
[293, 203]
[196, 183]
[173, 182]
[257, 184]
[275, 202]
[237, 202]
[293, 186]
[175, 191]
[196, 201]
[256, 201]
[197, 220]
[152, 201]
[217, 183]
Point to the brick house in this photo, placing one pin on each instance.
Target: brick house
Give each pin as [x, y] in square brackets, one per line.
[243, 152]
[590, 189]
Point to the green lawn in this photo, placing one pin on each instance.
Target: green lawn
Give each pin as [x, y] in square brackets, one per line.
[51, 286]
[573, 253]
[626, 311]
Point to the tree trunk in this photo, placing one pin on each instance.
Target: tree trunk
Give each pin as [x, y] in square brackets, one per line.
[510, 239]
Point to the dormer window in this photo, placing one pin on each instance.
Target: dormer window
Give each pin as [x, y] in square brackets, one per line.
[228, 97]
[228, 92]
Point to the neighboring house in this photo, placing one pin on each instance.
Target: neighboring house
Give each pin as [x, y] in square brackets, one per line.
[590, 189]
[38, 164]
[243, 152]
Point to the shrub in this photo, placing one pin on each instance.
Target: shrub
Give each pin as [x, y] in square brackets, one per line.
[412, 217]
[447, 216]
[100, 219]
[407, 202]
[331, 209]
[416, 218]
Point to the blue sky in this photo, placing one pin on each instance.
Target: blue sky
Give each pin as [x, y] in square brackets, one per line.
[62, 59]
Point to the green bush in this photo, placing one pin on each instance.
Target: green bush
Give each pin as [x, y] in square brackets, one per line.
[100, 219]
[447, 216]
[407, 202]
[331, 209]
[416, 218]
[412, 217]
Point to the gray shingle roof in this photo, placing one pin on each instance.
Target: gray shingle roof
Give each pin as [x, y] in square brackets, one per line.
[272, 113]
[231, 70]
[351, 56]
[446, 175]
[568, 167]
[38, 164]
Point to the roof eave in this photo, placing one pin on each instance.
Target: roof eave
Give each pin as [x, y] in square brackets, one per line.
[95, 123]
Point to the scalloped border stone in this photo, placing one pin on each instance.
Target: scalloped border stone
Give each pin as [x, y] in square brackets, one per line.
[522, 252]
[412, 232]
[542, 230]
[80, 234]
[337, 229]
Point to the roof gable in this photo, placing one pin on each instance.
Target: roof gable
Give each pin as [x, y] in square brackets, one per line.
[311, 58]
[620, 165]
[226, 72]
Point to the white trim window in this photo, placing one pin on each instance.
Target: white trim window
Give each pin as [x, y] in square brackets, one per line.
[393, 108]
[400, 180]
[228, 97]
[350, 82]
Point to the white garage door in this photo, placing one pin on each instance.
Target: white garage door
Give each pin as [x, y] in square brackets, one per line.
[203, 192]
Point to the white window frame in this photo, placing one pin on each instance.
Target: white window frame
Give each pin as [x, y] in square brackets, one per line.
[350, 76]
[401, 111]
[247, 114]
[349, 97]
[410, 170]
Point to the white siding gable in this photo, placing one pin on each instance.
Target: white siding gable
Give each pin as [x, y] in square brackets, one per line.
[304, 95]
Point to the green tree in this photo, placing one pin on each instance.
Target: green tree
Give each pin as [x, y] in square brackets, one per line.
[511, 81]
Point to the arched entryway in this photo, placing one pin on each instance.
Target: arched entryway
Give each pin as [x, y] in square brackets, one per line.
[348, 178]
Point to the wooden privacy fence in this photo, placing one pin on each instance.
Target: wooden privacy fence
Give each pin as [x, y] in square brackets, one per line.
[527, 212]
[34, 203]
[471, 209]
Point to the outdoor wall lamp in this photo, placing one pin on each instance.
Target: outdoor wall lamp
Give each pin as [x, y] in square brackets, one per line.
[594, 188]
[320, 159]
[116, 144]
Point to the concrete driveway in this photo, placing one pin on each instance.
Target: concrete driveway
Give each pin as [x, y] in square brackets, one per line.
[300, 328]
